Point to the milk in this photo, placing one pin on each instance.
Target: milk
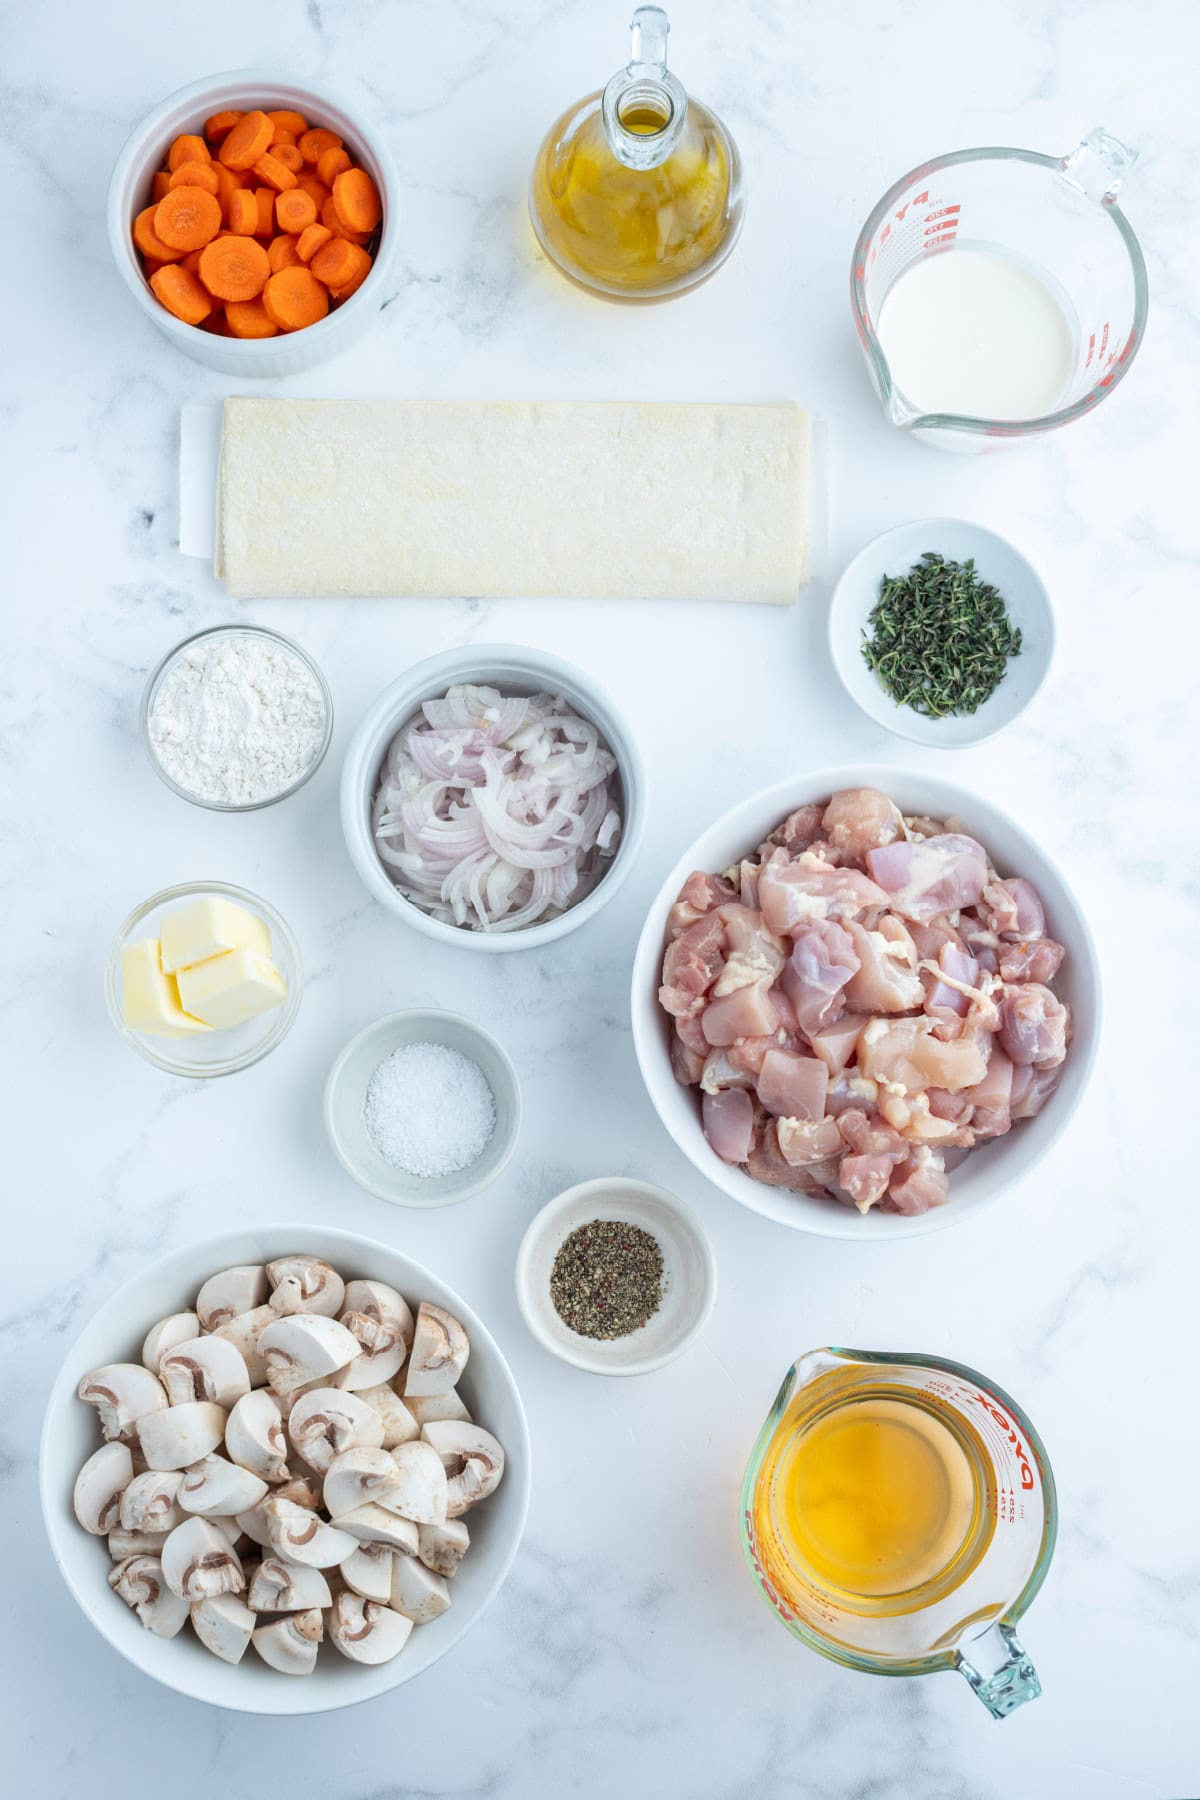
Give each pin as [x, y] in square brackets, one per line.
[976, 332]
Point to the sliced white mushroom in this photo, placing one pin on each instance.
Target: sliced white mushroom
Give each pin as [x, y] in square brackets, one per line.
[303, 1490]
[242, 1332]
[282, 1586]
[442, 1547]
[356, 1477]
[472, 1459]
[176, 1328]
[230, 1292]
[439, 1352]
[381, 1320]
[123, 1393]
[123, 1544]
[303, 1537]
[199, 1562]
[229, 1529]
[254, 1436]
[368, 1571]
[398, 1423]
[140, 1582]
[326, 1421]
[151, 1502]
[215, 1486]
[290, 1645]
[370, 1524]
[303, 1348]
[365, 1631]
[421, 1493]
[253, 1524]
[182, 1434]
[417, 1591]
[305, 1284]
[335, 1379]
[224, 1624]
[204, 1368]
[99, 1487]
[428, 1407]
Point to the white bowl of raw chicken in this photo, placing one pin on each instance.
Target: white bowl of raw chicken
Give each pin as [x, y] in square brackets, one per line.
[70, 1435]
[986, 1171]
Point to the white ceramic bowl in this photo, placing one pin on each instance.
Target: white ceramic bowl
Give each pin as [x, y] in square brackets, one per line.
[986, 1172]
[129, 191]
[689, 1276]
[997, 562]
[345, 1097]
[69, 1435]
[514, 669]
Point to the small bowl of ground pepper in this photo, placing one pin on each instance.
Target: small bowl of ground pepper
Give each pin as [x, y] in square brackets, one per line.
[941, 631]
[616, 1277]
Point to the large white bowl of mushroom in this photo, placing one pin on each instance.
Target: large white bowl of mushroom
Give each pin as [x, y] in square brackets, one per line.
[284, 1471]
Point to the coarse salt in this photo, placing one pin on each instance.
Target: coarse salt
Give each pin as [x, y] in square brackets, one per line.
[429, 1110]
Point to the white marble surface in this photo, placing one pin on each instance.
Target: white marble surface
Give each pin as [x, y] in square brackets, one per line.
[629, 1652]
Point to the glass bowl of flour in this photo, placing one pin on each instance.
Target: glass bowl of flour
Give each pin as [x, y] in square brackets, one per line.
[236, 718]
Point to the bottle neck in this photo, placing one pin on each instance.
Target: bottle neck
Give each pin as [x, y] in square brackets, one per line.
[644, 105]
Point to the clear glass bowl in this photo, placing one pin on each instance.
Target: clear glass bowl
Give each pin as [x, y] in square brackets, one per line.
[208, 1053]
[150, 695]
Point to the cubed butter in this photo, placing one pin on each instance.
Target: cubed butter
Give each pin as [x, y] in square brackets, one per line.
[150, 998]
[229, 989]
[208, 927]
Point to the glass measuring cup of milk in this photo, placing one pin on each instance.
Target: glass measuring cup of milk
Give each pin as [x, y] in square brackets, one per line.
[899, 1516]
[1000, 293]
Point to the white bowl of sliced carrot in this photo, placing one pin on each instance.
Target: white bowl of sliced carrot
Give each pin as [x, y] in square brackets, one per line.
[254, 221]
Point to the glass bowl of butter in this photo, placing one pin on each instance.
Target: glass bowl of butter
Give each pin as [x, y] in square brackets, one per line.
[204, 979]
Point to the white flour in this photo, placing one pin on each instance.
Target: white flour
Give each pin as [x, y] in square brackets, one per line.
[237, 719]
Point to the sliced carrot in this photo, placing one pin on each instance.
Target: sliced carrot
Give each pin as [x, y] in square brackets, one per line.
[264, 199]
[357, 200]
[187, 218]
[220, 125]
[308, 184]
[249, 139]
[148, 240]
[343, 289]
[160, 184]
[248, 319]
[332, 218]
[283, 137]
[228, 184]
[188, 148]
[310, 241]
[313, 144]
[191, 263]
[331, 163]
[181, 294]
[295, 211]
[284, 119]
[295, 298]
[268, 168]
[201, 175]
[339, 261]
[241, 214]
[281, 253]
[234, 268]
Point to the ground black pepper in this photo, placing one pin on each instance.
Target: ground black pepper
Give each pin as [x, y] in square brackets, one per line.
[607, 1279]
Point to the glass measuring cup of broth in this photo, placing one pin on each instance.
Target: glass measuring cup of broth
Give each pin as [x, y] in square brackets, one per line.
[999, 294]
[899, 1516]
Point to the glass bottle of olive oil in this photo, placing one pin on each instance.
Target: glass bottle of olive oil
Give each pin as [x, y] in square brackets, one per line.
[637, 191]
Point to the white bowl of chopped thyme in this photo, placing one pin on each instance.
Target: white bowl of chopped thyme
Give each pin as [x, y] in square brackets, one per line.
[616, 1277]
[941, 631]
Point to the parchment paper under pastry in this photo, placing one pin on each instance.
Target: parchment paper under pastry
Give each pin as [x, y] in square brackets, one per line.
[501, 499]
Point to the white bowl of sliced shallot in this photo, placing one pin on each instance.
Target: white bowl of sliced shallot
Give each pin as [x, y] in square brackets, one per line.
[887, 1030]
[493, 797]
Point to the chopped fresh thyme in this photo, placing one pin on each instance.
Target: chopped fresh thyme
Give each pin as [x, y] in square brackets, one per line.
[940, 637]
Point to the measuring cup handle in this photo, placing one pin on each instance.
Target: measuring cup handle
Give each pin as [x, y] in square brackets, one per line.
[1007, 1678]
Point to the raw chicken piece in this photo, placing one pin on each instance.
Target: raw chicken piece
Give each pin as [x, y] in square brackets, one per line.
[865, 1178]
[914, 1118]
[748, 883]
[1031, 959]
[804, 1142]
[766, 1163]
[867, 1135]
[929, 939]
[939, 875]
[698, 895]
[955, 1107]
[693, 961]
[754, 953]
[836, 1044]
[1034, 1025]
[962, 971]
[1031, 1088]
[1013, 906]
[796, 832]
[793, 894]
[728, 1120]
[747, 1012]
[687, 1065]
[822, 962]
[991, 1098]
[918, 1183]
[850, 1089]
[746, 1053]
[691, 1033]
[717, 1072]
[905, 1051]
[886, 980]
[861, 819]
[792, 1086]
[920, 825]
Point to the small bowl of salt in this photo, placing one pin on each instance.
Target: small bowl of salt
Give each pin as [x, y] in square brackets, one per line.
[423, 1108]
